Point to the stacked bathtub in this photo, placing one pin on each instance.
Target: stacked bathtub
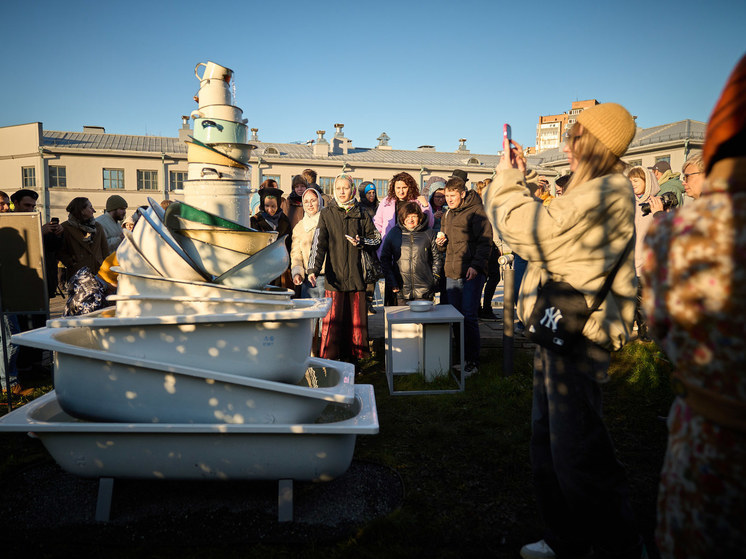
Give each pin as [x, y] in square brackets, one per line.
[200, 370]
[218, 152]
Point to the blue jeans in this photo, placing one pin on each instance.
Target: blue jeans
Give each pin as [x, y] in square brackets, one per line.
[581, 487]
[466, 296]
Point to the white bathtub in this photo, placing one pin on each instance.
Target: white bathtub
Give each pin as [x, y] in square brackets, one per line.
[272, 345]
[103, 386]
[316, 451]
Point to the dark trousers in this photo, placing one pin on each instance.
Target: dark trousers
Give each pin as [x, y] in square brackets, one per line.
[465, 297]
[581, 487]
[493, 278]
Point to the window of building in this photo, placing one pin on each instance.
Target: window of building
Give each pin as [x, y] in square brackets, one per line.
[147, 180]
[666, 158]
[327, 185]
[113, 179]
[177, 179]
[275, 178]
[382, 187]
[28, 177]
[634, 163]
[57, 176]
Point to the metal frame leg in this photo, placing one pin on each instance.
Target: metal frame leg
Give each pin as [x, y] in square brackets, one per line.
[285, 500]
[103, 503]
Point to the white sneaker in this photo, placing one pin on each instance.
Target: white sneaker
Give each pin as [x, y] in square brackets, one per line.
[537, 550]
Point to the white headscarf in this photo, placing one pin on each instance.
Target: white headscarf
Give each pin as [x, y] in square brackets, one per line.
[311, 221]
[651, 185]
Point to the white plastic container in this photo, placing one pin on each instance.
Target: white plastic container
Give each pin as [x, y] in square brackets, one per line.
[314, 451]
[272, 345]
[104, 386]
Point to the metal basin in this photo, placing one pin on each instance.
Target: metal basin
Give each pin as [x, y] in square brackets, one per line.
[104, 386]
[248, 242]
[314, 451]
[258, 269]
[272, 344]
[158, 286]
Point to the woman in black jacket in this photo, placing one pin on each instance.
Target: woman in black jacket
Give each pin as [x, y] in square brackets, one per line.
[410, 257]
[343, 231]
[369, 202]
[272, 218]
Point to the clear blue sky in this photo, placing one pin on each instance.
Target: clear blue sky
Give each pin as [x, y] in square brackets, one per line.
[423, 72]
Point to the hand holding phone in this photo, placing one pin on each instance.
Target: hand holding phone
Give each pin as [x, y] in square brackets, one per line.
[507, 136]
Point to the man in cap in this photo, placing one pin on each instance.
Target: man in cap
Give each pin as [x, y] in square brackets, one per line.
[460, 174]
[111, 220]
[668, 180]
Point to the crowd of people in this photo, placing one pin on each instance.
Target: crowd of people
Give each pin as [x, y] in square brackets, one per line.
[656, 252]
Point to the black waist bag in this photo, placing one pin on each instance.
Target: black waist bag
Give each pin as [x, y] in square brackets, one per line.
[558, 318]
[560, 312]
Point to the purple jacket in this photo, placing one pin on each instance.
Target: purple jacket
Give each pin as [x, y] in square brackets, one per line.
[385, 220]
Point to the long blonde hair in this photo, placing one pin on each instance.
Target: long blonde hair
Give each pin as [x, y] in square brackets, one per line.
[594, 159]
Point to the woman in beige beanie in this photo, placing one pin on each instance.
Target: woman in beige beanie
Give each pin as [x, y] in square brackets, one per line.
[581, 488]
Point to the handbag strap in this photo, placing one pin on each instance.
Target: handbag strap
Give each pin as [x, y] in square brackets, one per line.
[610, 278]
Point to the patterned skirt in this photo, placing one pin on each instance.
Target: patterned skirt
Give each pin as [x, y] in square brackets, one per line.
[344, 330]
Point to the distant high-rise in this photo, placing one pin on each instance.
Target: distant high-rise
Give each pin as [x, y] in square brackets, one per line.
[551, 128]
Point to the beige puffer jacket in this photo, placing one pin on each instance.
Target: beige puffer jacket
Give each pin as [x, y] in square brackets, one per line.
[578, 239]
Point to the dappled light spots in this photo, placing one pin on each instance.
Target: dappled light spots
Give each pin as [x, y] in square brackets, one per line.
[321, 455]
[213, 352]
[98, 463]
[169, 384]
[130, 339]
[213, 402]
[168, 338]
[130, 395]
[181, 349]
[159, 475]
[105, 444]
[296, 428]
[221, 344]
[562, 389]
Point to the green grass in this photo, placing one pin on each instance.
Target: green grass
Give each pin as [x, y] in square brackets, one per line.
[464, 462]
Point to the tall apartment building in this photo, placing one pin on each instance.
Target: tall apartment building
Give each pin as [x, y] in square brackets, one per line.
[551, 128]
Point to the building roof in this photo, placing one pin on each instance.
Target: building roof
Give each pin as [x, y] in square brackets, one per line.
[156, 144]
[681, 130]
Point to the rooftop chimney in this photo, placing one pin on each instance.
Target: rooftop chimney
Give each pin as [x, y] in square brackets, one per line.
[254, 135]
[383, 141]
[462, 146]
[340, 144]
[184, 131]
[321, 146]
[339, 133]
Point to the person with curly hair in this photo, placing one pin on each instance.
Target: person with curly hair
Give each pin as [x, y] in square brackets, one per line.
[402, 189]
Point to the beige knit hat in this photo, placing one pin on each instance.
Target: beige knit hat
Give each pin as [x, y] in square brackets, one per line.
[611, 124]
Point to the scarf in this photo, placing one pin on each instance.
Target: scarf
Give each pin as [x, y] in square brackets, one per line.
[87, 227]
[651, 185]
[311, 221]
[273, 220]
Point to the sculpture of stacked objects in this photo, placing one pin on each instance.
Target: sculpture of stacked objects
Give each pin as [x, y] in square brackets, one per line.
[218, 154]
[201, 370]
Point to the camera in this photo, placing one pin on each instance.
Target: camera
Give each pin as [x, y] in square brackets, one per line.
[669, 202]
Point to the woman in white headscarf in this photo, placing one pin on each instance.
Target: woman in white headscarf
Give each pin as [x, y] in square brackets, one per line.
[301, 247]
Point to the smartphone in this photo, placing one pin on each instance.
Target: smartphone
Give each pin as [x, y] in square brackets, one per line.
[55, 221]
[507, 136]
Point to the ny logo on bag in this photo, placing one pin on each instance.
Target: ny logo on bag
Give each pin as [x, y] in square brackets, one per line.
[552, 316]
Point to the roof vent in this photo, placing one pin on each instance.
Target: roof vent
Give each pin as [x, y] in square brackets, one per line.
[425, 148]
[321, 147]
[94, 130]
[339, 133]
[462, 146]
[383, 141]
[254, 135]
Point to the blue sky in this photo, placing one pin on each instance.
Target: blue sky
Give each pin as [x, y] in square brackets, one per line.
[423, 72]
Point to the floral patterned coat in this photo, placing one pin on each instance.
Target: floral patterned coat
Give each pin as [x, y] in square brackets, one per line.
[694, 294]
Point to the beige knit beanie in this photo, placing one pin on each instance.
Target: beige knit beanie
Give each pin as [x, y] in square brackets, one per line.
[611, 124]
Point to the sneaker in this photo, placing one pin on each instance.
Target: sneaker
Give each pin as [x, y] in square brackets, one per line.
[470, 369]
[537, 550]
[487, 314]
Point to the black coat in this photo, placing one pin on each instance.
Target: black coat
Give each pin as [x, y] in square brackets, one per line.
[343, 269]
[468, 237]
[411, 261]
[283, 227]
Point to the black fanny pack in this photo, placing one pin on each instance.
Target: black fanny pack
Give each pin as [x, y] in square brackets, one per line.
[560, 312]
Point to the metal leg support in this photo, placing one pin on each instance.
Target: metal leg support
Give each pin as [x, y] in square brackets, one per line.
[103, 504]
[285, 500]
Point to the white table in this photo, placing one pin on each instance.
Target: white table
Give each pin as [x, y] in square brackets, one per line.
[420, 342]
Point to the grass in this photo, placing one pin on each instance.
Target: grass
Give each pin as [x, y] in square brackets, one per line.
[463, 460]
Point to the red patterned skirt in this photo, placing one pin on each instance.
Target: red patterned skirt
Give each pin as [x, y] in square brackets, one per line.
[344, 330]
